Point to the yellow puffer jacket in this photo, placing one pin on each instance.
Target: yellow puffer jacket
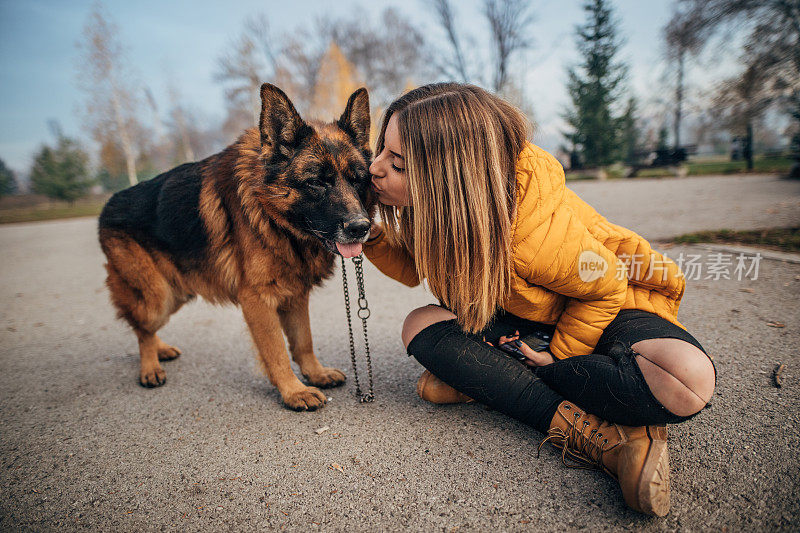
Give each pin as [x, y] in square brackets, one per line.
[573, 268]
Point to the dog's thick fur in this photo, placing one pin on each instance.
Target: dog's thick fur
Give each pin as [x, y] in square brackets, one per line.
[254, 225]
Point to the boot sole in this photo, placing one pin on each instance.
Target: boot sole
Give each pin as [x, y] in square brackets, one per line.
[653, 487]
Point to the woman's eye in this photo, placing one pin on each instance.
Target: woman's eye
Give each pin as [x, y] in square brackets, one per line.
[397, 169]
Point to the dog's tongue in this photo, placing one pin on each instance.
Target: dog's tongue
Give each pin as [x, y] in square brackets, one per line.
[349, 250]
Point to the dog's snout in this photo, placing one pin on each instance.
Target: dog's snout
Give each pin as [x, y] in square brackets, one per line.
[357, 227]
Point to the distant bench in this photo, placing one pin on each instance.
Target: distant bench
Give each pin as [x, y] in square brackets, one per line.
[661, 158]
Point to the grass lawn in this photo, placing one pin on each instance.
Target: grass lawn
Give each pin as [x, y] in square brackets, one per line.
[49, 212]
[772, 164]
[761, 165]
[783, 239]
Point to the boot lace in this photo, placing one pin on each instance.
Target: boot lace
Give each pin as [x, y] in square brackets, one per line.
[585, 451]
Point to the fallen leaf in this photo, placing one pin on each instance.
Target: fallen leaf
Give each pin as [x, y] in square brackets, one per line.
[321, 430]
[776, 324]
[748, 289]
[777, 380]
[337, 466]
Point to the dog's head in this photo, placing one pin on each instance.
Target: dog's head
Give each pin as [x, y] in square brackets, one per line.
[319, 172]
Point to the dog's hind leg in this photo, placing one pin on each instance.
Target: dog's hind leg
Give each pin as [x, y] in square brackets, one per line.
[165, 351]
[144, 298]
[297, 327]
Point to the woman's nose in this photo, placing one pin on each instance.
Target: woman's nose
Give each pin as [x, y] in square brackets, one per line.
[374, 169]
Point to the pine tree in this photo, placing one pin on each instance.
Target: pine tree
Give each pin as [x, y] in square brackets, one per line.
[629, 132]
[595, 86]
[61, 172]
[8, 184]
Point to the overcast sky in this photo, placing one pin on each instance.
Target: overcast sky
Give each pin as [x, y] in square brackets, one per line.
[183, 39]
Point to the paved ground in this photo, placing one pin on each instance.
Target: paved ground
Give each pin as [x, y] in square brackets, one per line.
[660, 208]
[82, 445]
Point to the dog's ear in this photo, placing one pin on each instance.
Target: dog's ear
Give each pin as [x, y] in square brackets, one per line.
[280, 125]
[355, 119]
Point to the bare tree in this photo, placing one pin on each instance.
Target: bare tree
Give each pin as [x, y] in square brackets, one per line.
[299, 61]
[446, 19]
[294, 59]
[509, 21]
[740, 102]
[681, 39]
[389, 58]
[771, 46]
[243, 69]
[180, 124]
[112, 97]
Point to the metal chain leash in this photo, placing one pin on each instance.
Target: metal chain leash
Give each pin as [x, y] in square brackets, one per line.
[363, 314]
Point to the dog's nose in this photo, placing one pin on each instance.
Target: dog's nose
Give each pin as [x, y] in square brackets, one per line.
[357, 227]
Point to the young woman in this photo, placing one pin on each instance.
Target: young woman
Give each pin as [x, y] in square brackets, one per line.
[517, 259]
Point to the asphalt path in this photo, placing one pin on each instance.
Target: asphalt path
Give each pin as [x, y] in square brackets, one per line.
[84, 446]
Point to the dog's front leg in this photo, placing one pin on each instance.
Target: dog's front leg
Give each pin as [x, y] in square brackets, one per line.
[297, 326]
[261, 314]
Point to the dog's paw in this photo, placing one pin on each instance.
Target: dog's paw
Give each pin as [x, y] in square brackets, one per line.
[167, 352]
[326, 377]
[307, 399]
[152, 377]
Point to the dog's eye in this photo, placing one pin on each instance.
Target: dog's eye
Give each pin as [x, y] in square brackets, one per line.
[359, 173]
[315, 185]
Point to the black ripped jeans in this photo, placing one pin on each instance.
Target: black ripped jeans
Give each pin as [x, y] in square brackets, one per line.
[607, 383]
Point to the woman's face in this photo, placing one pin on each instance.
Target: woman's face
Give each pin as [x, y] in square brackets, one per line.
[389, 169]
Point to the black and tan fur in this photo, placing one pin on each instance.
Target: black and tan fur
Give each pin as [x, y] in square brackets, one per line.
[253, 225]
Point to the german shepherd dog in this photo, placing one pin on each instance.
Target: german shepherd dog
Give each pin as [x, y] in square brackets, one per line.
[258, 224]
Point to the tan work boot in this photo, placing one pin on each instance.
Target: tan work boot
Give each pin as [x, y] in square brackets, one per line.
[636, 456]
[434, 390]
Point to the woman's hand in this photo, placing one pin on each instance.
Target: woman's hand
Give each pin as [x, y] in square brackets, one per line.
[534, 358]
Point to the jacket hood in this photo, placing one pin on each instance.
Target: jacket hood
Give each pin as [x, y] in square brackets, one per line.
[541, 187]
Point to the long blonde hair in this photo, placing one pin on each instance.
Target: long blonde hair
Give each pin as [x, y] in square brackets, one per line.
[460, 145]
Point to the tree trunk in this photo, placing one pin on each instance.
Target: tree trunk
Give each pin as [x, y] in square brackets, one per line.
[255, 102]
[186, 143]
[679, 100]
[748, 146]
[795, 144]
[124, 138]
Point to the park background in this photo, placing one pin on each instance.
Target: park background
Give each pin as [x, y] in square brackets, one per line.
[96, 96]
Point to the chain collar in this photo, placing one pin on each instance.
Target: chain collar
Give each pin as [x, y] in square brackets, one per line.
[363, 314]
